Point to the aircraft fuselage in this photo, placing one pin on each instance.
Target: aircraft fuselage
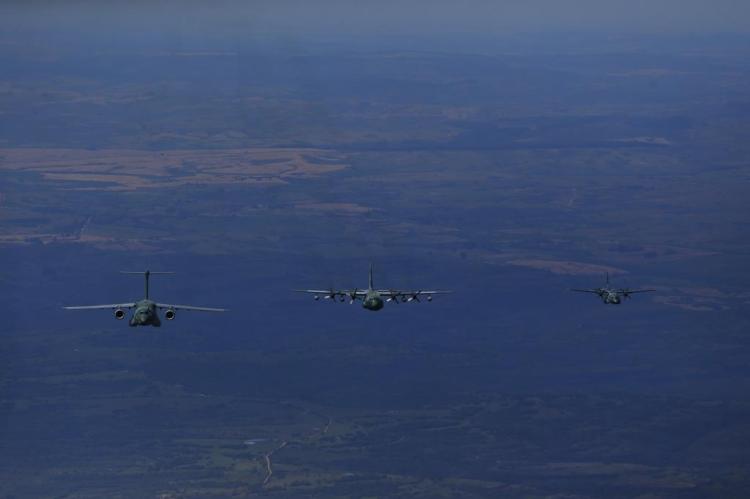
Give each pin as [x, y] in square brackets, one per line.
[373, 301]
[611, 297]
[145, 314]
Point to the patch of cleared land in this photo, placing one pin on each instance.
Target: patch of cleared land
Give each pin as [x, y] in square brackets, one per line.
[566, 267]
[123, 169]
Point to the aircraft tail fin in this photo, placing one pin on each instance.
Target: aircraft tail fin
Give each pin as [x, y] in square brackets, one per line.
[146, 274]
[369, 282]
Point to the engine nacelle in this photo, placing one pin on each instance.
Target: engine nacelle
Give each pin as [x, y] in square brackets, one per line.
[169, 314]
[119, 314]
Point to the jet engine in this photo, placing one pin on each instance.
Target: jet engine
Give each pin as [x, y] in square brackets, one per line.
[169, 314]
[119, 314]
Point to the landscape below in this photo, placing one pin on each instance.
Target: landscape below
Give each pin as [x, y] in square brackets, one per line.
[507, 176]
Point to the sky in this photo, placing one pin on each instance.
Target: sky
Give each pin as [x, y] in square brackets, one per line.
[387, 17]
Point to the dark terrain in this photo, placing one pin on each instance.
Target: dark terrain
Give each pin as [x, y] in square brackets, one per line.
[507, 171]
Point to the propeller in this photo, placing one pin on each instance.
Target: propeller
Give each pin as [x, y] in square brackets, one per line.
[626, 289]
[414, 297]
[392, 296]
[353, 296]
[331, 295]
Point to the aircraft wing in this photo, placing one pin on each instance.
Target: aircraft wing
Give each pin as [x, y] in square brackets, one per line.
[399, 293]
[595, 291]
[100, 307]
[189, 307]
[631, 291]
[333, 292]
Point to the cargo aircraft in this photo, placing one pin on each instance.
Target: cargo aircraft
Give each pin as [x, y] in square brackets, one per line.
[372, 299]
[145, 311]
[610, 295]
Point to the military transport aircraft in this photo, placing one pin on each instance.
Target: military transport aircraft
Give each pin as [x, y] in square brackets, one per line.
[612, 296]
[145, 313]
[372, 299]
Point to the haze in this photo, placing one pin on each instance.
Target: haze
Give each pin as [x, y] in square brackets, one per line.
[414, 18]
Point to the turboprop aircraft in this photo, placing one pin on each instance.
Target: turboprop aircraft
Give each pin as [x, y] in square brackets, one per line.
[372, 299]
